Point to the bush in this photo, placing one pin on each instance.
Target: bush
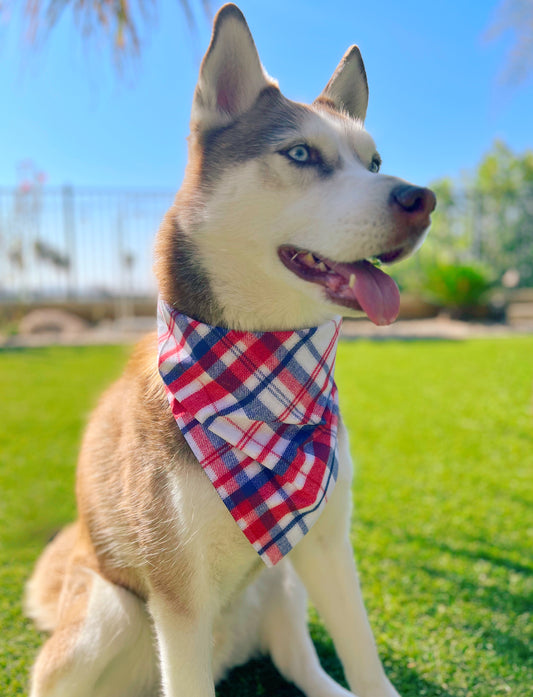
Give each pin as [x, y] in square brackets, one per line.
[459, 287]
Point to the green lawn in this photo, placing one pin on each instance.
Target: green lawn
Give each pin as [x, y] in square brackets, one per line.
[442, 433]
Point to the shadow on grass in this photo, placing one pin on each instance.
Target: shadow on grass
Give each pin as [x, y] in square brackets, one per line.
[493, 597]
[410, 684]
[260, 677]
[483, 553]
[256, 678]
[497, 597]
[399, 338]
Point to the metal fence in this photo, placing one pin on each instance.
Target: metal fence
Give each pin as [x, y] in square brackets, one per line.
[77, 244]
[80, 244]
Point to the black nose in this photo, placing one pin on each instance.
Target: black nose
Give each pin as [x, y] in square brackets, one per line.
[417, 202]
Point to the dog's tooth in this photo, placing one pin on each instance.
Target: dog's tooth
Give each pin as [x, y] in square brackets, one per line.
[308, 258]
[351, 282]
[321, 266]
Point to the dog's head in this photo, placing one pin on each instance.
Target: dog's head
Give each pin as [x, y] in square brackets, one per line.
[283, 213]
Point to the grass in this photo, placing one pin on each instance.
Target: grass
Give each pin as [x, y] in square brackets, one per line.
[442, 433]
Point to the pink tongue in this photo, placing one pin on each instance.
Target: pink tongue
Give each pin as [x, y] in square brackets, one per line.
[375, 291]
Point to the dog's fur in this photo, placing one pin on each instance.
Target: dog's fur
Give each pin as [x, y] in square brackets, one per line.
[155, 584]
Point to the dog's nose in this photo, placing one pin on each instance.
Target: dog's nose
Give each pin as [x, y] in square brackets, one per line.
[414, 201]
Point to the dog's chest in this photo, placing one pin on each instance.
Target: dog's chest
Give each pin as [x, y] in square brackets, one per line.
[209, 537]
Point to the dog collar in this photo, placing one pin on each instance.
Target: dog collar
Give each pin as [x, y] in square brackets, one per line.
[259, 410]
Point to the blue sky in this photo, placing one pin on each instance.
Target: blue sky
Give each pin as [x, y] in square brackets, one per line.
[435, 102]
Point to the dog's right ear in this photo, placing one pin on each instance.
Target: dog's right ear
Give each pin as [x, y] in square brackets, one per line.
[231, 74]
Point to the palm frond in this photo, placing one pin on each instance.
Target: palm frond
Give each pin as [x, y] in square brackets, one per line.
[515, 17]
[123, 24]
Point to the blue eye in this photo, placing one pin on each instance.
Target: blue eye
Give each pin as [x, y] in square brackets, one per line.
[306, 156]
[299, 153]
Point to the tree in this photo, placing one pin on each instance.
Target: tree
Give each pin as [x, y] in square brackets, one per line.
[502, 197]
[482, 229]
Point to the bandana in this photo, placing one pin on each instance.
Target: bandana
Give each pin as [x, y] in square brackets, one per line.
[259, 410]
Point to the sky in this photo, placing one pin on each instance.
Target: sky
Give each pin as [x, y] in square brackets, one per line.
[436, 105]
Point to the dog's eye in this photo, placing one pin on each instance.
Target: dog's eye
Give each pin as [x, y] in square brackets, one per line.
[305, 156]
[374, 166]
[299, 153]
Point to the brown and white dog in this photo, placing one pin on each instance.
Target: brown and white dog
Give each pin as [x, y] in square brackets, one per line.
[154, 587]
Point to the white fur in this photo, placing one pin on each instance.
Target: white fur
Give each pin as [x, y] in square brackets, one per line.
[113, 655]
[269, 616]
[281, 205]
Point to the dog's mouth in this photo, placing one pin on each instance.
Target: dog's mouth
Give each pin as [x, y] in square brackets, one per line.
[359, 285]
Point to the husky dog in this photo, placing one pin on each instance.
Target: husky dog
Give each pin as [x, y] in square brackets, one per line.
[154, 587]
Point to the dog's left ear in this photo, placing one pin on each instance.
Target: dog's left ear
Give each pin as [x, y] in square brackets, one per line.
[348, 86]
[231, 75]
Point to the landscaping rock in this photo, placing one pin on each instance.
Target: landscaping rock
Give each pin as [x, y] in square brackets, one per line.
[51, 321]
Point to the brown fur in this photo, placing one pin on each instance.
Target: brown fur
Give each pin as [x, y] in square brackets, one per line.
[57, 598]
[133, 438]
[130, 446]
[42, 601]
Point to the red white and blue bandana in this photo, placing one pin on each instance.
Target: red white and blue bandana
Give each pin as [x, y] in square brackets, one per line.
[259, 411]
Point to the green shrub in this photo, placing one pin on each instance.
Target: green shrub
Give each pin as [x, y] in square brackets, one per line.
[456, 286]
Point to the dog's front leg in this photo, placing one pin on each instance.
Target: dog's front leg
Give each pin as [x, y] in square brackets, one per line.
[184, 638]
[324, 561]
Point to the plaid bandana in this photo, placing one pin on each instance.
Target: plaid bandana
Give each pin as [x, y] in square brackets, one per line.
[259, 411]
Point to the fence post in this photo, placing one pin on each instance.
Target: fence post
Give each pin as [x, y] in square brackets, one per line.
[124, 310]
[69, 231]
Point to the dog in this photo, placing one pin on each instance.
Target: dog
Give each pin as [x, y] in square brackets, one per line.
[276, 229]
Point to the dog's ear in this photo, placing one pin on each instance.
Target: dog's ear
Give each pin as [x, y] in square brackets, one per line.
[348, 87]
[231, 74]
